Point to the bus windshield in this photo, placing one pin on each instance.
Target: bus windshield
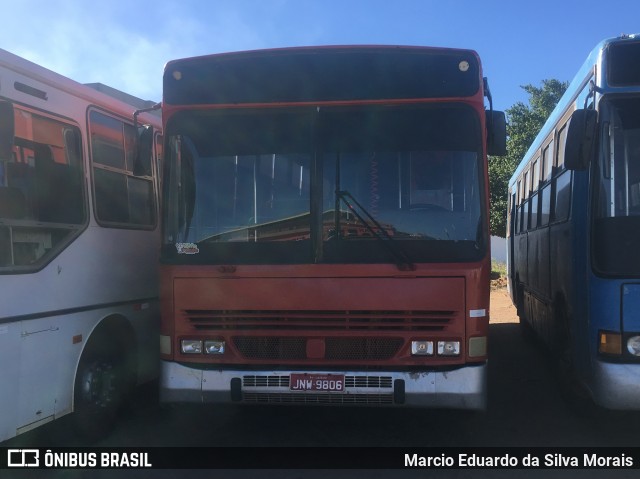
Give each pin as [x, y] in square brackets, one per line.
[617, 215]
[620, 159]
[255, 176]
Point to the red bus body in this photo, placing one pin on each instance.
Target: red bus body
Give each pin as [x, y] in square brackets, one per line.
[326, 330]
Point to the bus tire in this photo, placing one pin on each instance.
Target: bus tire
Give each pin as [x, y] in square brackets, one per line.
[560, 340]
[571, 388]
[519, 293]
[101, 386]
[526, 330]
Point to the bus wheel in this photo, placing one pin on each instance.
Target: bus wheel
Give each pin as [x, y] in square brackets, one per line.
[571, 388]
[526, 330]
[560, 341]
[99, 393]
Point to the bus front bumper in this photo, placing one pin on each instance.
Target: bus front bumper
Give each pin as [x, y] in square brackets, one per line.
[463, 388]
[616, 385]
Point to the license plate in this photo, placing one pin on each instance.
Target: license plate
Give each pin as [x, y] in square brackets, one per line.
[317, 382]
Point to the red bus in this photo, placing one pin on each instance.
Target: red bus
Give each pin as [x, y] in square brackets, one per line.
[325, 236]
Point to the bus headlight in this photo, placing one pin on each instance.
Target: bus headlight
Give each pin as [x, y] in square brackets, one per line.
[633, 345]
[214, 346]
[448, 348]
[422, 348]
[191, 346]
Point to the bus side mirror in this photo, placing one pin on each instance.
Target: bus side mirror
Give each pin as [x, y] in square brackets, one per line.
[144, 152]
[7, 130]
[581, 134]
[496, 133]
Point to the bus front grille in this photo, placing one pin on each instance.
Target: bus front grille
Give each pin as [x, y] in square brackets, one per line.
[325, 321]
[271, 381]
[295, 348]
[336, 399]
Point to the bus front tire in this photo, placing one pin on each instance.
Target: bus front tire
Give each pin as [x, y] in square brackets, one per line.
[100, 389]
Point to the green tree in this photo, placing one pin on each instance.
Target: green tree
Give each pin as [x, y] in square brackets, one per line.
[523, 124]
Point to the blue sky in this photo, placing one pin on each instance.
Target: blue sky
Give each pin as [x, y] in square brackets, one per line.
[125, 44]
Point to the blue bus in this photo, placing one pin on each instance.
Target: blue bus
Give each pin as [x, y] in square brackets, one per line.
[574, 228]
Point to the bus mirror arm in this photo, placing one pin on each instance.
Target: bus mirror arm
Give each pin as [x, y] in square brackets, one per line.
[581, 134]
[7, 129]
[136, 113]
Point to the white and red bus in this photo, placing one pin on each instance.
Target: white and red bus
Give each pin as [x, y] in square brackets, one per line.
[79, 241]
[325, 227]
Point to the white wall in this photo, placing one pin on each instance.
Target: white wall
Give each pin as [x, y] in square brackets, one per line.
[499, 249]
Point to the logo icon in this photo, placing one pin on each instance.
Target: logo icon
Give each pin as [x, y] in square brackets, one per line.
[187, 248]
[23, 458]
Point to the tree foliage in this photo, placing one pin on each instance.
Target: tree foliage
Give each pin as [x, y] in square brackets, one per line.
[523, 124]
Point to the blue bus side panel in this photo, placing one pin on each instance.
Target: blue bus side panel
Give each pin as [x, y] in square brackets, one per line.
[631, 307]
[538, 262]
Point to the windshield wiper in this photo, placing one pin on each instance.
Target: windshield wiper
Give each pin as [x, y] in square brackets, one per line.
[402, 260]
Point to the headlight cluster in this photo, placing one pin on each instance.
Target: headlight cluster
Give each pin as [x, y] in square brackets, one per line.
[633, 345]
[429, 348]
[198, 346]
[616, 344]
[477, 347]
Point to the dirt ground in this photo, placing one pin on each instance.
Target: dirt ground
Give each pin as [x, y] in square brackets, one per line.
[502, 309]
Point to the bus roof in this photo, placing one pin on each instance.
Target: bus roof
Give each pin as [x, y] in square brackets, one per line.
[570, 95]
[95, 93]
[323, 74]
[312, 49]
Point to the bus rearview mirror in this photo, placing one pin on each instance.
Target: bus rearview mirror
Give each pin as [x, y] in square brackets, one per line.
[581, 134]
[144, 152]
[496, 133]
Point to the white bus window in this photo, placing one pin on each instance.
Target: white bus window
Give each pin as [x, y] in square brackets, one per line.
[41, 191]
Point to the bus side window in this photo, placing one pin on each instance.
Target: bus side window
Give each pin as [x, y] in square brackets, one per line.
[562, 140]
[121, 197]
[13, 204]
[547, 161]
[534, 212]
[518, 200]
[563, 196]
[511, 214]
[561, 181]
[545, 205]
[59, 189]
